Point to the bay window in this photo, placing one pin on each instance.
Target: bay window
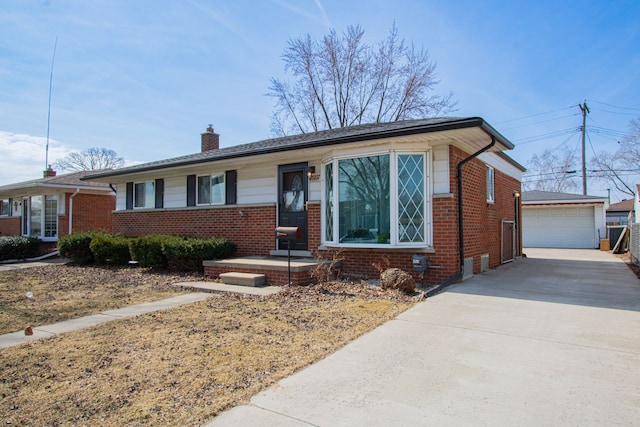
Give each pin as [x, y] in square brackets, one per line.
[377, 200]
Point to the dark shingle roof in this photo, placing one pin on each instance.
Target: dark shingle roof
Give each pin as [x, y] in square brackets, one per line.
[552, 196]
[66, 180]
[315, 139]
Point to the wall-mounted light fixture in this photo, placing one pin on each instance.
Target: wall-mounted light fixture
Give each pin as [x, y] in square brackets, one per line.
[310, 171]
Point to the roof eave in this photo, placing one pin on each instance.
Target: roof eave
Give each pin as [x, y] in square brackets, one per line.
[465, 123]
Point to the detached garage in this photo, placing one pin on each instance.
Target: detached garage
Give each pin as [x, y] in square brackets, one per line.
[562, 220]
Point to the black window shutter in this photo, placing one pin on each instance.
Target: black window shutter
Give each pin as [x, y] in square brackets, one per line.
[231, 187]
[10, 213]
[129, 195]
[191, 190]
[159, 193]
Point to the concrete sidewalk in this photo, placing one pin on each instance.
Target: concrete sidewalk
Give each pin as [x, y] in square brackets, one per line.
[547, 340]
[202, 291]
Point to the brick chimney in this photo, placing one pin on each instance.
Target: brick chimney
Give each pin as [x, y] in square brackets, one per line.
[210, 140]
[49, 173]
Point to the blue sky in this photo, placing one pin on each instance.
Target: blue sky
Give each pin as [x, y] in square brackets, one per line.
[144, 78]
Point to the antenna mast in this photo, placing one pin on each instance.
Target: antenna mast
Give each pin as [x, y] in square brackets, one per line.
[46, 157]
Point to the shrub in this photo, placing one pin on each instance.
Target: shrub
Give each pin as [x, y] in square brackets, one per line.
[18, 247]
[108, 249]
[147, 250]
[187, 254]
[77, 247]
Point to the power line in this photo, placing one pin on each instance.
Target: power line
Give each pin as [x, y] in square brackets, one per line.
[544, 121]
[531, 139]
[614, 106]
[534, 115]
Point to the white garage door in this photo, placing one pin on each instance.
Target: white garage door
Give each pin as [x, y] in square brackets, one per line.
[555, 227]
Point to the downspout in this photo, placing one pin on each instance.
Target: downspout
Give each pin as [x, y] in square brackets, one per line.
[460, 216]
[439, 287]
[71, 210]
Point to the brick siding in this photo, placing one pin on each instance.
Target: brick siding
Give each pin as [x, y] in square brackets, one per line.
[10, 226]
[251, 227]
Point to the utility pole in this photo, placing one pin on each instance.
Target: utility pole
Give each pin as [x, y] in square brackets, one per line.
[585, 110]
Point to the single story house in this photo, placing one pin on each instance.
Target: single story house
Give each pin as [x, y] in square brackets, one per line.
[562, 220]
[55, 205]
[618, 213]
[379, 194]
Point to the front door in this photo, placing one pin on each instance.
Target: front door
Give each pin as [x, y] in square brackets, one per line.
[292, 202]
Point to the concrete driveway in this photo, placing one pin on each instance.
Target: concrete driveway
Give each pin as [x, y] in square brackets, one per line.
[553, 339]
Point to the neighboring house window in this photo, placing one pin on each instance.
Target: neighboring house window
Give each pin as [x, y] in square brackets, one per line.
[211, 189]
[5, 207]
[144, 194]
[43, 217]
[377, 200]
[490, 184]
[50, 217]
[35, 223]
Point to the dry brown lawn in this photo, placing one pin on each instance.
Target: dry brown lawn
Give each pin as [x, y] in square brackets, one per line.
[184, 365]
[62, 292]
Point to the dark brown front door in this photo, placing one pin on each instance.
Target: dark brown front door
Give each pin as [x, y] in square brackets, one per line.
[292, 202]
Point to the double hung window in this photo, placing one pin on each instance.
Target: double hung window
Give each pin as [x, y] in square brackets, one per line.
[144, 194]
[211, 189]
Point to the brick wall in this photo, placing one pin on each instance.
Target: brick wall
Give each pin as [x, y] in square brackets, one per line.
[249, 227]
[10, 226]
[483, 220]
[91, 212]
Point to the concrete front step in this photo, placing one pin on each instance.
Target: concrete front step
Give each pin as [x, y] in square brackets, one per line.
[243, 279]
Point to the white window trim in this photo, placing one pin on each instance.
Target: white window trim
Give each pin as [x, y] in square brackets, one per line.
[393, 170]
[146, 196]
[211, 203]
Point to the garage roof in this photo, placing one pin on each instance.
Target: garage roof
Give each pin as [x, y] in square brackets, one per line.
[537, 197]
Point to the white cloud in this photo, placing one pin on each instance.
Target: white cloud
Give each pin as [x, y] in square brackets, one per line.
[23, 156]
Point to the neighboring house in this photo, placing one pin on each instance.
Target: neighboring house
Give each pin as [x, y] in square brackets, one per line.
[618, 213]
[54, 206]
[562, 220]
[379, 193]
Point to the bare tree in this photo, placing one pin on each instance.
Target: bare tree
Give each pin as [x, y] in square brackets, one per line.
[341, 81]
[90, 159]
[616, 168]
[552, 171]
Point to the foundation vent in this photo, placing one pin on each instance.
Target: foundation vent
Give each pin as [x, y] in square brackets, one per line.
[484, 263]
[467, 270]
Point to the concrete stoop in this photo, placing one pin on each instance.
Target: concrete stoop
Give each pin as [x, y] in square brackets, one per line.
[243, 279]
